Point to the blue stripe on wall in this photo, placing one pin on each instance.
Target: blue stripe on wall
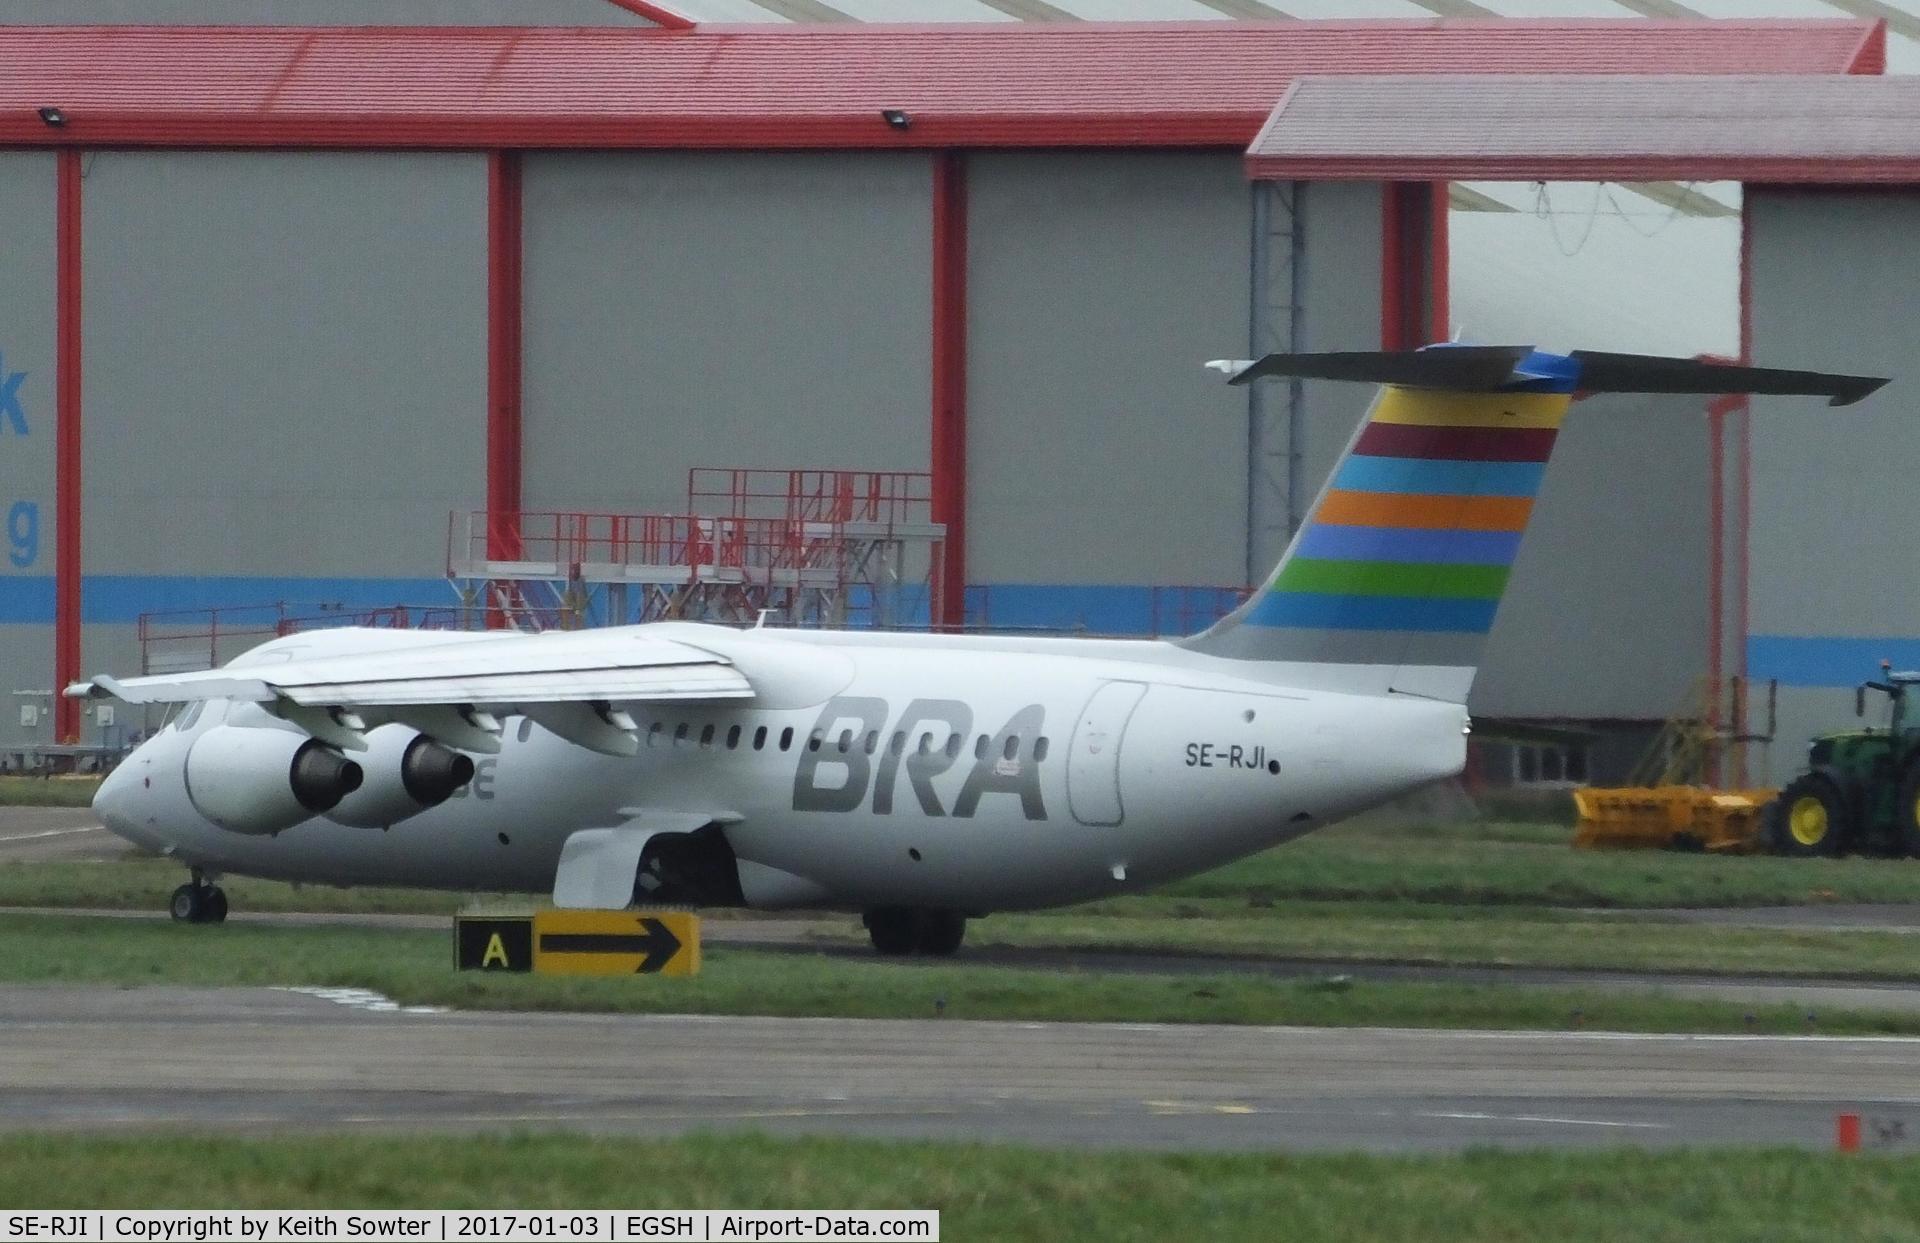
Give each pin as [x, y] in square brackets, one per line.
[1317, 611]
[119, 599]
[1122, 609]
[1433, 476]
[1815, 660]
[1098, 609]
[26, 600]
[1336, 542]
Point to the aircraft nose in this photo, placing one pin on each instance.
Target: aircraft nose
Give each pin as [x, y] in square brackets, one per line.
[114, 801]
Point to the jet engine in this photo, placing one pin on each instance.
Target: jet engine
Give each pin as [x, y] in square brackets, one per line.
[263, 780]
[406, 773]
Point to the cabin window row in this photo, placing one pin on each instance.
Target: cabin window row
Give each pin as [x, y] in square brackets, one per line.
[708, 737]
[683, 735]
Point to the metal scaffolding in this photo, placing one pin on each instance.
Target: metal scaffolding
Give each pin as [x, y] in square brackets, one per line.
[1276, 437]
[804, 547]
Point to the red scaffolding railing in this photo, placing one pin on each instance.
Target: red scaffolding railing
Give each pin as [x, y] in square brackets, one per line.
[881, 496]
[570, 541]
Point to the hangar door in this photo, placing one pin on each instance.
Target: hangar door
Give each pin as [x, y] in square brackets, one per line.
[1093, 761]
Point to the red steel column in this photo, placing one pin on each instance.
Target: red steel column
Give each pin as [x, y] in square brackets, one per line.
[1412, 264]
[1439, 266]
[1743, 519]
[949, 455]
[1719, 708]
[66, 590]
[1393, 266]
[503, 355]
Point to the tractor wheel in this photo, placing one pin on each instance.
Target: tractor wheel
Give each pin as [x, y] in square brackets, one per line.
[1811, 821]
[1907, 811]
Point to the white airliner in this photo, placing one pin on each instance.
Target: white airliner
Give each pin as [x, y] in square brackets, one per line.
[919, 779]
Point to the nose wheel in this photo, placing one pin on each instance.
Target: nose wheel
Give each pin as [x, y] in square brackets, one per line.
[198, 902]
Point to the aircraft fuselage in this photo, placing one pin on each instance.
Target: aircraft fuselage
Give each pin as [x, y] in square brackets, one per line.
[878, 770]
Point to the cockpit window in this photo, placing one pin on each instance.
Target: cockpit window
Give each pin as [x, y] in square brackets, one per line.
[190, 716]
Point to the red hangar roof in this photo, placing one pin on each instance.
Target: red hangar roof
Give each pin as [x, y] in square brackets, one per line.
[1830, 130]
[1164, 84]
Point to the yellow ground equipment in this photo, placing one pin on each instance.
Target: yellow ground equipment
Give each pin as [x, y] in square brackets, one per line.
[1671, 818]
[1670, 801]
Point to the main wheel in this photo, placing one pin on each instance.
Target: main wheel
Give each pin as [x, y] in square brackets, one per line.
[188, 905]
[216, 902]
[894, 930]
[941, 933]
[1907, 811]
[1811, 821]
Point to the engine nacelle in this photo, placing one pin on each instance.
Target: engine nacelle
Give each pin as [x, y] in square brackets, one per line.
[263, 780]
[406, 773]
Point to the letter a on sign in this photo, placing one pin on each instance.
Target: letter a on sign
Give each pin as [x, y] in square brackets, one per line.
[493, 942]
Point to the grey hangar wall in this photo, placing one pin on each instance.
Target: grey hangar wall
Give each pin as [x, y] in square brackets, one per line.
[1835, 282]
[285, 373]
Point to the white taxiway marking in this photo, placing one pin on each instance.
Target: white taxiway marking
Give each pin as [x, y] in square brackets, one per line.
[362, 999]
[27, 837]
[1477, 1117]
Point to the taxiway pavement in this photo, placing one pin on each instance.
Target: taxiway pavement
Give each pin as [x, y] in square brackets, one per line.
[45, 834]
[263, 1060]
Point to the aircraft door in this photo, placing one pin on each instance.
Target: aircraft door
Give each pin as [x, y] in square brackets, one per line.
[1093, 759]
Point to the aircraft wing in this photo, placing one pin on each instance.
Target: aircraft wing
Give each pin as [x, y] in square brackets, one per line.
[454, 690]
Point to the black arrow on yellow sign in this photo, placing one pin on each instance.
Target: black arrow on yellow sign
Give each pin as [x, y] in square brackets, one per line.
[657, 944]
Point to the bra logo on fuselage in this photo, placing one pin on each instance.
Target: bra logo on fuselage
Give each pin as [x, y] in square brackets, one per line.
[833, 778]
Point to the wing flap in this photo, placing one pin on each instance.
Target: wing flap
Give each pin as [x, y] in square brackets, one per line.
[578, 666]
[672, 682]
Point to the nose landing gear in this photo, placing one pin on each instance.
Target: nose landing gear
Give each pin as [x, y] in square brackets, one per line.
[900, 930]
[198, 902]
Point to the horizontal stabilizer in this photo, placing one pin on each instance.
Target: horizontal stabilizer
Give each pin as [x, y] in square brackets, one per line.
[1467, 368]
[1512, 368]
[1394, 577]
[1646, 373]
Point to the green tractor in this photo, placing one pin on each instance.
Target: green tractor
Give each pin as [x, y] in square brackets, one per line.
[1861, 790]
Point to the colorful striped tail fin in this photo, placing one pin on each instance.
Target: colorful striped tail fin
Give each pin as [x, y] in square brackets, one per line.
[1392, 581]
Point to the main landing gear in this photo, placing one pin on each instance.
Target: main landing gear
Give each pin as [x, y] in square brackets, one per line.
[900, 930]
[199, 901]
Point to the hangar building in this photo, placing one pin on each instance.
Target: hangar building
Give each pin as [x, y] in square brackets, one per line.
[280, 297]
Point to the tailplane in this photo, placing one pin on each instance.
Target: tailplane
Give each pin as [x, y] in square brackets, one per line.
[1392, 582]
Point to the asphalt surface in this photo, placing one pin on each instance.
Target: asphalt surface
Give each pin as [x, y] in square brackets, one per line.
[259, 1060]
[264, 1060]
[44, 834]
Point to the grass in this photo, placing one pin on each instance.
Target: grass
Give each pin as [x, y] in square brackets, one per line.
[1357, 930]
[414, 967]
[1404, 893]
[1469, 863]
[1534, 865]
[47, 791]
[1008, 1192]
